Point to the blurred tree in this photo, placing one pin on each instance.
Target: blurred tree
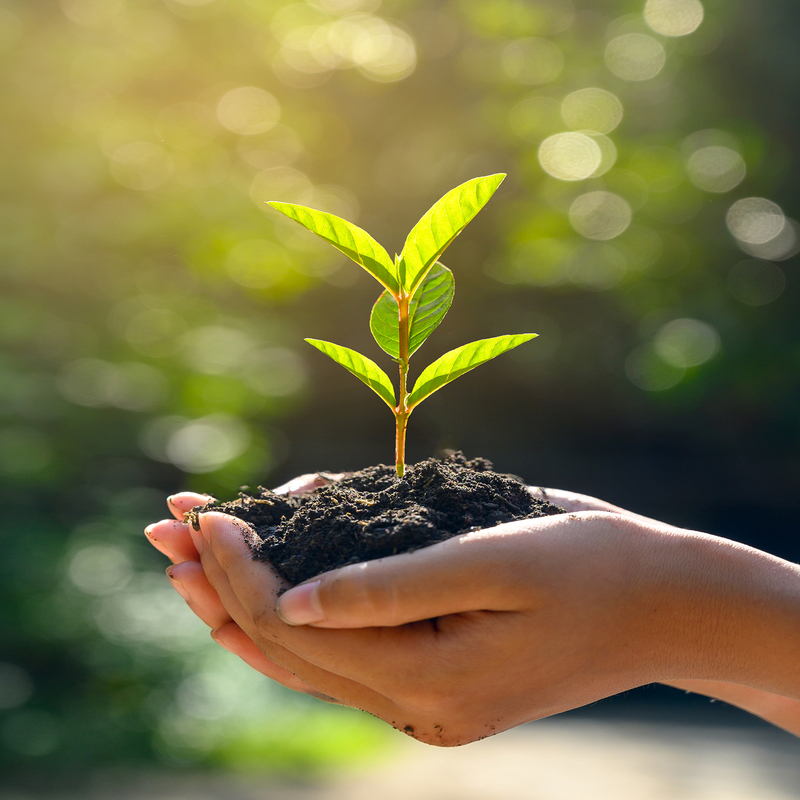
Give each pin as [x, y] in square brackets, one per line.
[152, 308]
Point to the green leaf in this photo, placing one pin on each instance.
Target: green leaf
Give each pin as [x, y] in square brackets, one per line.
[426, 310]
[440, 225]
[363, 368]
[350, 239]
[455, 363]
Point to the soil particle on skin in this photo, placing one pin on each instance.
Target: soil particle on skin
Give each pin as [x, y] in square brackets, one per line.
[373, 513]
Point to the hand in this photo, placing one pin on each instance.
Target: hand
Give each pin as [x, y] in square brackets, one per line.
[175, 539]
[489, 629]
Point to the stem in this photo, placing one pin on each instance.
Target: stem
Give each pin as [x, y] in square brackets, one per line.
[401, 412]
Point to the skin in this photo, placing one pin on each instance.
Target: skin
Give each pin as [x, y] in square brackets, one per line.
[491, 629]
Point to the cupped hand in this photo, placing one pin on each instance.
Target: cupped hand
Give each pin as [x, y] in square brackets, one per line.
[484, 631]
[470, 636]
[178, 541]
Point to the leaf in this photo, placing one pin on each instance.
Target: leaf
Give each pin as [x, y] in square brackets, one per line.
[355, 243]
[440, 225]
[426, 310]
[455, 363]
[363, 368]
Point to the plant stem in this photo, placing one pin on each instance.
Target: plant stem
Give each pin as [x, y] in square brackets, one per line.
[401, 412]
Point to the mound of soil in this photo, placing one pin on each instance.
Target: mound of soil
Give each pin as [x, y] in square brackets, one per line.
[373, 513]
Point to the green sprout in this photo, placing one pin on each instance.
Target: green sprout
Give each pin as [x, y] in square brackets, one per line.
[418, 292]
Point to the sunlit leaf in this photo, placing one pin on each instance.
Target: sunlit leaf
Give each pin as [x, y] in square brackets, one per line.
[440, 225]
[455, 363]
[350, 239]
[362, 367]
[426, 310]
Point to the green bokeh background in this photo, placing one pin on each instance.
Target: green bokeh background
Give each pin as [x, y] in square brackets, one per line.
[152, 307]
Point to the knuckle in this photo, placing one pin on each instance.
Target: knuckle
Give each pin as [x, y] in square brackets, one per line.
[265, 620]
[360, 591]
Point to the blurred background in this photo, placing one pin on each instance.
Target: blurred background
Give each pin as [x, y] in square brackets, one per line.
[152, 307]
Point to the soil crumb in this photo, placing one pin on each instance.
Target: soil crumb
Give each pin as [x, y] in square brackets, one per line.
[373, 513]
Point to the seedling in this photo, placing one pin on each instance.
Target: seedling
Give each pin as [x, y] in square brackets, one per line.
[418, 292]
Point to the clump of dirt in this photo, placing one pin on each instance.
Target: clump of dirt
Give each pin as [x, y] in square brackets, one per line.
[373, 513]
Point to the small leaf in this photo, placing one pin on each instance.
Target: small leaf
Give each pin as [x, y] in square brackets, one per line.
[455, 363]
[440, 225]
[426, 310]
[363, 368]
[355, 243]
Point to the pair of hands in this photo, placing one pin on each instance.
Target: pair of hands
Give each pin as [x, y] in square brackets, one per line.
[494, 628]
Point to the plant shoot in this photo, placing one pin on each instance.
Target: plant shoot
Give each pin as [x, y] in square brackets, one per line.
[418, 292]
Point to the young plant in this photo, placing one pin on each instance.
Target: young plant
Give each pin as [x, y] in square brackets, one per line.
[418, 292]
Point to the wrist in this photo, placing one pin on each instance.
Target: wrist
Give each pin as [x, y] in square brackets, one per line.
[737, 614]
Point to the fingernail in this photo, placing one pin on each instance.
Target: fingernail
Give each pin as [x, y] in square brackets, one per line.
[219, 638]
[214, 524]
[300, 605]
[177, 585]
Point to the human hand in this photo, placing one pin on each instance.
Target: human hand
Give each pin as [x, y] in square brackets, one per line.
[176, 540]
[557, 609]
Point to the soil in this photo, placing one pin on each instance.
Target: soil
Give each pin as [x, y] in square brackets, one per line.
[373, 513]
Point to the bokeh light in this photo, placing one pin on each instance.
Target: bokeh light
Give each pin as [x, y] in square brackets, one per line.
[716, 169]
[196, 445]
[248, 110]
[570, 156]
[380, 50]
[647, 370]
[674, 17]
[95, 383]
[780, 248]
[600, 215]
[100, 569]
[608, 153]
[755, 220]
[592, 110]
[635, 57]
[685, 343]
[596, 266]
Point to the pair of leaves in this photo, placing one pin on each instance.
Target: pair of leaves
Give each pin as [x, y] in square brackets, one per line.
[415, 278]
[426, 309]
[450, 366]
[428, 239]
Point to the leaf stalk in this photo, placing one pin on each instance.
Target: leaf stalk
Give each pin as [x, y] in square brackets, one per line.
[402, 412]
[418, 291]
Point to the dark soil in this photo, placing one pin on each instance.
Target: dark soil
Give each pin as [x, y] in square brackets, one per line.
[373, 513]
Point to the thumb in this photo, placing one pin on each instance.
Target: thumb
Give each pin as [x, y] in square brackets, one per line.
[478, 571]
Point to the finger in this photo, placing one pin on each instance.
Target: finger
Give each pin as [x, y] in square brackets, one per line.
[480, 571]
[189, 580]
[308, 482]
[173, 539]
[572, 501]
[341, 664]
[183, 502]
[236, 641]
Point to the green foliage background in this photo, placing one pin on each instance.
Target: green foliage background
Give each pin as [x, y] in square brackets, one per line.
[152, 307]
